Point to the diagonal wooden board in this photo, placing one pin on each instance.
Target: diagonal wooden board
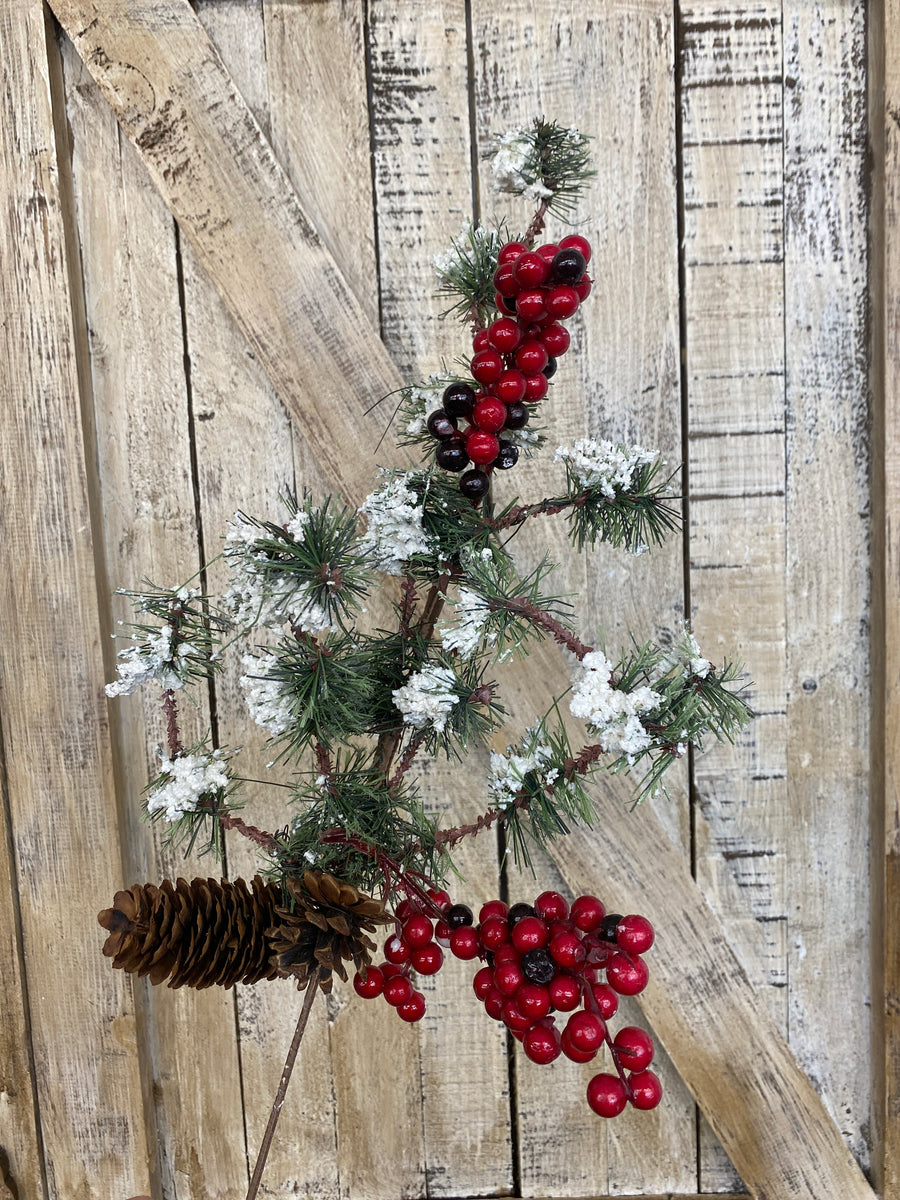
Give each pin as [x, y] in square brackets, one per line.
[214, 169]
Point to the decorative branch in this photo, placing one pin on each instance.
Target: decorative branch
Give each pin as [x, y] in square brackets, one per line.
[542, 618]
[267, 840]
[173, 733]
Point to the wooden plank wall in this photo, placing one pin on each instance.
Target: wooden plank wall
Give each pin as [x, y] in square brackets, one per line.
[729, 326]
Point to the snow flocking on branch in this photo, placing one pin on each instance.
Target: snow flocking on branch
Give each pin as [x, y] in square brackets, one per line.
[268, 698]
[612, 714]
[185, 781]
[395, 532]
[508, 771]
[608, 466]
[427, 698]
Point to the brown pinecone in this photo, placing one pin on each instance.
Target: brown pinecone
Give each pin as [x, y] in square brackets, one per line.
[200, 933]
[325, 928]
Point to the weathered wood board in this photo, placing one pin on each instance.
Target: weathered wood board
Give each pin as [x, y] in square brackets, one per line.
[224, 359]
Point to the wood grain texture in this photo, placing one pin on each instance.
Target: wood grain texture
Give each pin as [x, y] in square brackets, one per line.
[730, 70]
[56, 740]
[827, 553]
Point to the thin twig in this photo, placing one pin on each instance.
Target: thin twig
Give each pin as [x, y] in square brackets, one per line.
[540, 616]
[173, 734]
[406, 760]
[311, 988]
[259, 836]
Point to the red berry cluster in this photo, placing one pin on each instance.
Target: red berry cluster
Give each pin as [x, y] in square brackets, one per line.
[541, 960]
[548, 959]
[514, 359]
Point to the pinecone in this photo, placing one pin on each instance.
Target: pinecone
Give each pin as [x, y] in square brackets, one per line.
[200, 933]
[325, 928]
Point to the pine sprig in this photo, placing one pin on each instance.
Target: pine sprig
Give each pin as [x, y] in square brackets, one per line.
[545, 162]
[466, 273]
[192, 792]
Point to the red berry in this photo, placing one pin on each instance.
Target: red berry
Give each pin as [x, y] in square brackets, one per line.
[606, 1095]
[635, 934]
[647, 1089]
[583, 288]
[536, 387]
[480, 340]
[511, 251]
[494, 933]
[493, 908]
[505, 282]
[486, 366]
[464, 942]
[627, 975]
[504, 335]
[396, 950]
[392, 970]
[570, 1050]
[581, 244]
[541, 1044]
[508, 977]
[633, 1048]
[531, 270]
[585, 1030]
[555, 338]
[560, 302]
[442, 933]
[493, 1004]
[533, 1000]
[482, 447]
[398, 990]
[531, 357]
[568, 950]
[418, 931]
[548, 252]
[405, 909]
[371, 986]
[413, 1009]
[565, 992]
[510, 387]
[607, 1000]
[428, 960]
[531, 305]
[513, 1018]
[587, 912]
[439, 898]
[489, 414]
[483, 982]
[505, 953]
[530, 934]
[551, 906]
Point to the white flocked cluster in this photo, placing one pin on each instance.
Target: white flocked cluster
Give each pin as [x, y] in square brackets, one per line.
[268, 699]
[186, 779]
[466, 636]
[427, 698]
[605, 465]
[612, 714]
[508, 770]
[508, 163]
[157, 658]
[395, 533]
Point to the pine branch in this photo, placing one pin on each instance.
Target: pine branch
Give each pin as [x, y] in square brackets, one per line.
[173, 734]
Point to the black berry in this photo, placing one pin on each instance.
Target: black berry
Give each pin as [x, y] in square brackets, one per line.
[441, 425]
[517, 414]
[459, 400]
[474, 485]
[518, 911]
[550, 369]
[508, 456]
[538, 966]
[458, 915]
[452, 456]
[608, 926]
[568, 266]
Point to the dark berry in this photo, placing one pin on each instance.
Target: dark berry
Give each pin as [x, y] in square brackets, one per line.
[516, 415]
[608, 926]
[458, 914]
[568, 266]
[451, 456]
[538, 966]
[550, 369]
[581, 244]
[606, 1095]
[441, 425]
[459, 399]
[507, 457]
[518, 911]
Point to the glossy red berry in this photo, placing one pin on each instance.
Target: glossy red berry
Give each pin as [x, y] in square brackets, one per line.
[587, 912]
[511, 251]
[531, 270]
[413, 1009]
[606, 1095]
[583, 287]
[494, 933]
[505, 304]
[535, 388]
[483, 982]
[530, 934]
[555, 338]
[397, 990]
[510, 387]
[392, 970]
[513, 1018]
[531, 305]
[482, 447]
[560, 302]
[396, 950]
[635, 934]
[633, 1048]
[371, 986]
[580, 243]
[405, 909]
[493, 908]
[439, 898]
[585, 1030]
[504, 335]
[442, 933]
[493, 1004]
[489, 414]
[533, 1000]
[418, 931]
[508, 977]
[549, 251]
[607, 1000]
[486, 366]
[464, 942]
[506, 953]
[505, 281]
[565, 992]
[646, 1088]
[480, 340]
[551, 906]
[541, 1044]
[531, 357]
[626, 975]
[427, 960]
[568, 950]
[570, 1050]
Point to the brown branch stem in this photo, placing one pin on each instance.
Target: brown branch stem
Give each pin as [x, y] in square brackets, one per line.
[267, 840]
[173, 734]
[520, 513]
[541, 617]
[407, 759]
[311, 988]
